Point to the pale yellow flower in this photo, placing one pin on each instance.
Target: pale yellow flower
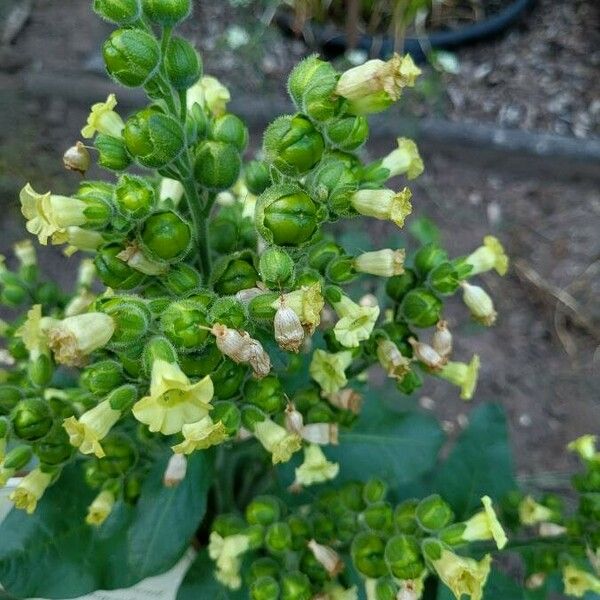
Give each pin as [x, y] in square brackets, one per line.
[307, 303]
[585, 446]
[104, 119]
[315, 468]
[462, 375]
[531, 512]
[487, 257]
[93, 426]
[382, 263]
[485, 526]
[100, 508]
[385, 205]
[463, 575]
[201, 435]
[404, 160]
[34, 332]
[356, 322]
[173, 400]
[77, 238]
[25, 253]
[328, 369]
[578, 582]
[30, 489]
[227, 552]
[276, 440]
[210, 94]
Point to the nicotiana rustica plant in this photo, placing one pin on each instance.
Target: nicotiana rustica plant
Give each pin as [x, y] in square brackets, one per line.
[205, 384]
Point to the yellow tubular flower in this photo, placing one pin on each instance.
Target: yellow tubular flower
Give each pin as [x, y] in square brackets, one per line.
[382, 263]
[100, 508]
[385, 205]
[404, 160]
[307, 303]
[48, 214]
[463, 575]
[376, 84]
[487, 257]
[226, 552]
[578, 582]
[173, 400]
[25, 253]
[485, 526]
[209, 93]
[315, 468]
[201, 435]
[462, 375]
[585, 446]
[104, 119]
[134, 256]
[77, 238]
[356, 323]
[73, 339]
[328, 369]
[530, 512]
[275, 439]
[94, 425]
[34, 332]
[30, 489]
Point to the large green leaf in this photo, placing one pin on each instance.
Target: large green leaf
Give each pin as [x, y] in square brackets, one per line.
[200, 583]
[479, 464]
[54, 554]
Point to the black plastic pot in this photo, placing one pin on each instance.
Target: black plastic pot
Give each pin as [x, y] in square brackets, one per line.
[335, 43]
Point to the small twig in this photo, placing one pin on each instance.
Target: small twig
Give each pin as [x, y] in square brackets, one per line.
[572, 306]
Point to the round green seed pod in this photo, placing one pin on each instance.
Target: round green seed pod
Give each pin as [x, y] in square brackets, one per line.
[114, 272]
[410, 383]
[375, 490]
[256, 175]
[405, 518]
[367, 552]
[397, 286]
[55, 448]
[182, 324]
[234, 273]
[131, 56]
[131, 317]
[182, 63]
[276, 267]
[263, 510]
[120, 12]
[230, 130]
[264, 588]
[153, 138]
[182, 279]
[167, 13]
[217, 165]
[95, 190]
[40, 370]
[421, 308]
[231, 231]
[287, 216]
[263, 567]
[228, 378]
[112, 152]
[134, 197]
[386, 589]
[348, 133]
[322, 253]
[428, 257]
[293, 145]
[201, 363]
[403, 557]
[267, 394]
[18, 458]
[261, 307]
[101, 377]
[433, 513]
[228, 311]
[31, 419]
[10, 395]
[378, 516]
[444, 279]
[166, 236]
[295, 586]
[229, 414]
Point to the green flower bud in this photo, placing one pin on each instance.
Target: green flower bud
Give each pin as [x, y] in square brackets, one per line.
[324, 528]
[261, 307]
[55, 448]
[166, 236]
[264, 567]
[182, 63]
[158, 348]
[276, 267]
[17, 349]
[31, 419]
[301, 531]
[122, 398]
[278, 537]
[256, 176]
[348, 133]
[131, 318]
[113, 272]
[444, 279]
[397, 286]
[120, 12]
[410, 383]
[182, 278]
[428, 257]
[231, 230]
[421, 308]
[234, 273]
[295, 586]
[10, 395]
[341, 270]
[310, 566]
[321, 254]
[320, 413]
[264, 588]
[386, 589]
[227, 379]
[167, 13]
[403, 557]
[201, 363]
[311, 86]
[433, 513]
[217, 165]
[112, 152]
[40, 370]
[229, 414]
[153, 138]
[367, 554]
[230, 130]
[378, 516]
[18, 458]
[131, 56]
[293, 145]
[196, 124]
[405, 516]
[375, 490]
[181, 322]
[102, 377]
[14, 293]
[229, 312]
[134, 197]
[263, 510]
[120, 455]
[287, 216]
[95, 190]
[266, 393]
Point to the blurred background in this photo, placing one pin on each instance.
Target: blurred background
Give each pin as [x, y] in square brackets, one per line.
[507, 117]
